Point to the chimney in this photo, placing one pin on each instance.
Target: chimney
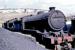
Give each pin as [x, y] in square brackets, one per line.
[51, 8]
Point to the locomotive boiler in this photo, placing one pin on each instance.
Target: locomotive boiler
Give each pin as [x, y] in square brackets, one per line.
[54, 20]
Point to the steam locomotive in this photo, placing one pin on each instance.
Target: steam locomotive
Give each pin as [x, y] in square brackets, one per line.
[41, 25]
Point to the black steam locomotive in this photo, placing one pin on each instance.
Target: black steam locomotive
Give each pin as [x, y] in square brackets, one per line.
[40, 25]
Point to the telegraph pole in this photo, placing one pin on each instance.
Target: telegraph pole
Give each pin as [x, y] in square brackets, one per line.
[5, 4]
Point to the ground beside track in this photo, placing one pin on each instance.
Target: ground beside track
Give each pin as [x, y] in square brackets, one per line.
[16, 41]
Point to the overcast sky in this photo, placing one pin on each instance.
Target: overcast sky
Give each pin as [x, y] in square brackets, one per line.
[67, 6]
